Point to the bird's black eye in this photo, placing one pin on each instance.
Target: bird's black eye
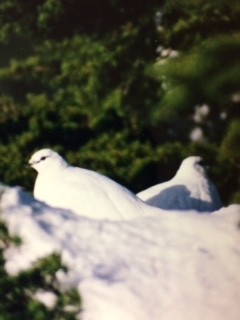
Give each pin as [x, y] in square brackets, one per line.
[202, 162]
[43, 158]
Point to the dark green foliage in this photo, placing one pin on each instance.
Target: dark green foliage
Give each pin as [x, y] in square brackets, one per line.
[91, 79]
[230, 148]
[57, 19]
[230, 158]
[188, 22]
[17, 292]
[207, 75]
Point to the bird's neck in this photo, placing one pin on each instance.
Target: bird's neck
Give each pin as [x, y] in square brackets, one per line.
[189, 174]
[54, 169]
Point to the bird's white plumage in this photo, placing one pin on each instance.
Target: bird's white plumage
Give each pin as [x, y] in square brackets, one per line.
[83, 191]
[189, 189]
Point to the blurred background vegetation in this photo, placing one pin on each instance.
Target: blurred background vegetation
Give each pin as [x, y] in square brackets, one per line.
[126, 88]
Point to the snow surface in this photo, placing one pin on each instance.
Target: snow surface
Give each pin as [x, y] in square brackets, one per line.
[167, 266]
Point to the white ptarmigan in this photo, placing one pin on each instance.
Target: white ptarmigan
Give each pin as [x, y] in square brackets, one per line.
[83, 191]
[189, 189]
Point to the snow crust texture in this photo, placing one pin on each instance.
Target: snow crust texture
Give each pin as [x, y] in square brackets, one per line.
[168, 266]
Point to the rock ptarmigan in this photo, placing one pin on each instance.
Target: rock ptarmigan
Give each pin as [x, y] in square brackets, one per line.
[83, 191]
[189, 189]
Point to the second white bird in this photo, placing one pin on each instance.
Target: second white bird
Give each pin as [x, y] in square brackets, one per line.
[189, 189]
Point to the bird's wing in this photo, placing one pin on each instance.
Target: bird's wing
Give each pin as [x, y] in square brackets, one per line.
[173, 197]
[98, 192]
[182, 194]
[153, 191]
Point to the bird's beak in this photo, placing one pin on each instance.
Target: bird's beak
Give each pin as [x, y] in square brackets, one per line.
[30, 164]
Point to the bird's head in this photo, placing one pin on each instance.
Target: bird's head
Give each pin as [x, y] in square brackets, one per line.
[191, 165]
[46, 160]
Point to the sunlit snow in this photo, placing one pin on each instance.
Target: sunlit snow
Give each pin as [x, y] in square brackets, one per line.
[166, 266]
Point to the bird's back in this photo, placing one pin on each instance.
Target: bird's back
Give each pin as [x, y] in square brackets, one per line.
[183, 193]
[88, 193]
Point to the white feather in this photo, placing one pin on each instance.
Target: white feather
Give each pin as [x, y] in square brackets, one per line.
[83, 191]
[189, 189]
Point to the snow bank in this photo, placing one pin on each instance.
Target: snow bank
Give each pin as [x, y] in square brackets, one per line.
[169, 266]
